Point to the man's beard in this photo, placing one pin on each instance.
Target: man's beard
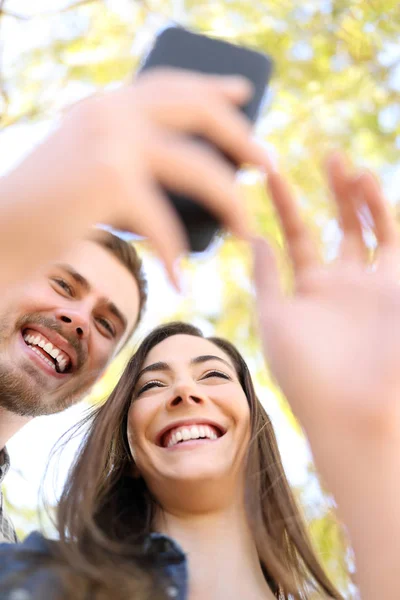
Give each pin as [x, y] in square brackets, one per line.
[21, 398]
[20, 392]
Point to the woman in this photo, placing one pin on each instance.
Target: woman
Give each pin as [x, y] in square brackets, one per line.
[138, 495]
[184, 448]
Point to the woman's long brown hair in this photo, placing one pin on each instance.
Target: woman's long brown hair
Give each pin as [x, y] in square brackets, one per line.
[104, 512]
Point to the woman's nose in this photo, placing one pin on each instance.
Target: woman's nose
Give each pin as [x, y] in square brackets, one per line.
[186, 393]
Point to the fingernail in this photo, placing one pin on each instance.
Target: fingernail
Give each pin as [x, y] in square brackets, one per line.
[366, 217]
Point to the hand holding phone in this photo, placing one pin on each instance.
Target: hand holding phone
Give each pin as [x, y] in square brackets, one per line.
[178, 48]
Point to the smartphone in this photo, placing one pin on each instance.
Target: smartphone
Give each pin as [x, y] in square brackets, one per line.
[177, 47]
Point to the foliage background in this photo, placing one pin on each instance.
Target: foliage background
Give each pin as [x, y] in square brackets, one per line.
[336, 84]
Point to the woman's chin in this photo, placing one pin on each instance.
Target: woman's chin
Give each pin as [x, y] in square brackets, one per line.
[190, 490]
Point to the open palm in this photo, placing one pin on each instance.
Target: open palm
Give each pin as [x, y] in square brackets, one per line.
[334, 347]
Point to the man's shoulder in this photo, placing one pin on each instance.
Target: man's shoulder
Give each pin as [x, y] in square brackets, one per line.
[4, 463]
[7, 531]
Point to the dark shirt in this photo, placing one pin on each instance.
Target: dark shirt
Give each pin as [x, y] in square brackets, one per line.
[169, 563]
[43, 583]
[7, 531]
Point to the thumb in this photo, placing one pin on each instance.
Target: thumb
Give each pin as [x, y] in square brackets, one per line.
[269, 293]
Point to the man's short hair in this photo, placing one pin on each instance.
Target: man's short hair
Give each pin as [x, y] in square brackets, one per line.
[127, 255]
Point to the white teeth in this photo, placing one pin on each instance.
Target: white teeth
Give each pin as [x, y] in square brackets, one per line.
[195, 432]
[48, 347]
[185, 434]
[60, 357]
[46, 360]
[172, 441]
[62, 364]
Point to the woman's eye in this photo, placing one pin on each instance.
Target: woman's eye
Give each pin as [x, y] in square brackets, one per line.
[107, 325]
[64, 285]
[149, 385]
[216, 374]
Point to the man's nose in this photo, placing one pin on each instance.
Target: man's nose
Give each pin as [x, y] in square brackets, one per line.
[75, 321]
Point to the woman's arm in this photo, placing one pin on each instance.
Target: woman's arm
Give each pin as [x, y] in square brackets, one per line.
[334, 348]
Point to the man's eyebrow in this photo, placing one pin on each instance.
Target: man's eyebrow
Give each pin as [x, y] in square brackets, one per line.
[163, 366]
[77, 277]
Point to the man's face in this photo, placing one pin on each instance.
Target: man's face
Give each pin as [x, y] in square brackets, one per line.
[59, 331]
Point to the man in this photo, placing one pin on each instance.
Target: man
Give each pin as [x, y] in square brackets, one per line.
[107, 162]
[59, 331]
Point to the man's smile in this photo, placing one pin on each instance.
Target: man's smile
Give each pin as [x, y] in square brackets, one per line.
[49, 350]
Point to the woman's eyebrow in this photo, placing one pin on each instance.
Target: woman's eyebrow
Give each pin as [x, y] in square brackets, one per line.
[157, 366]
[206, 357]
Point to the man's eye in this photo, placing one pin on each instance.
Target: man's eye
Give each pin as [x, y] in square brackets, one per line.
[149, 385]
[64, 285]
[215, 373]
[107, 325]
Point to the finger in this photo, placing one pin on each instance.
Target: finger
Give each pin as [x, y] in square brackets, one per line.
[155, 219]
[193, 169]
[237, 88]
[300, 244]
[385, 226]
[222, 125]
[352, 246]
[182, 106]
[384, 223]
[269, 293]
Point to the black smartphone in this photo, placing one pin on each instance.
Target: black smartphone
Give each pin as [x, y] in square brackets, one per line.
[177, 47]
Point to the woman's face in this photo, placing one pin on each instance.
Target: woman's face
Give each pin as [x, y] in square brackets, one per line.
[190, 419]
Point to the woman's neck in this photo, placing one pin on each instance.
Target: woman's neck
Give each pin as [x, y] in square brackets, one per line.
[222, 557]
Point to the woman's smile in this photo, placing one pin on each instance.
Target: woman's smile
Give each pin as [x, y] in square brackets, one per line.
[184, 433]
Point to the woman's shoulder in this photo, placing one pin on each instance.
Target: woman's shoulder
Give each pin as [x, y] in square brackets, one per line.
[24, 571]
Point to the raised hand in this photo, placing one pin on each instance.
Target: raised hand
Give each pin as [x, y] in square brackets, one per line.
[334, 348]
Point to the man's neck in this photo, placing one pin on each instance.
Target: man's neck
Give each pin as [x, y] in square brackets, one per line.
[10, 423]
[222, 557]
